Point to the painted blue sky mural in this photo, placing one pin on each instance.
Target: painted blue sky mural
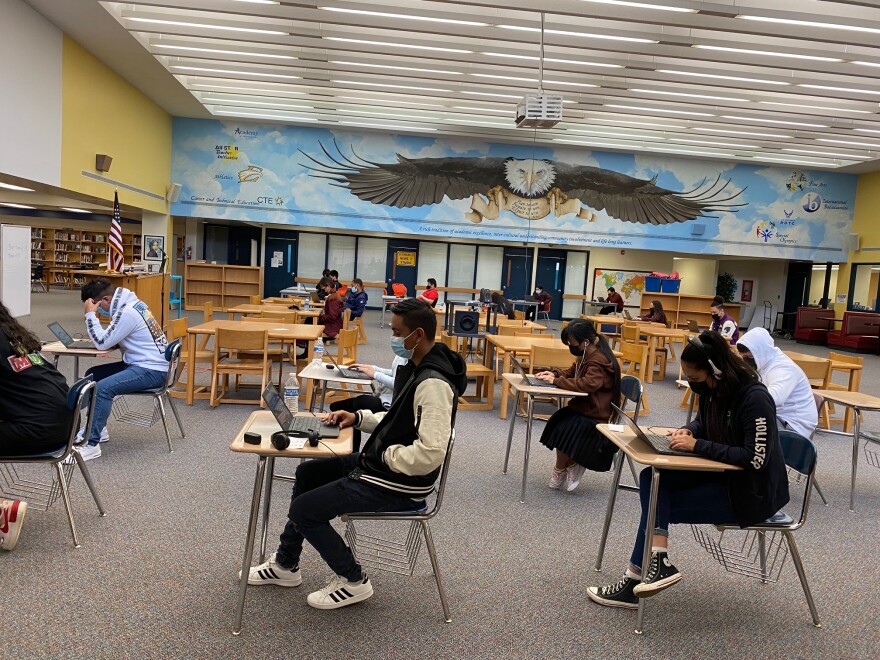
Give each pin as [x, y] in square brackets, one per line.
[317, 178]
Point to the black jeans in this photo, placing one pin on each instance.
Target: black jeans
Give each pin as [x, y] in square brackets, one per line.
[353, 404]
[322, 492]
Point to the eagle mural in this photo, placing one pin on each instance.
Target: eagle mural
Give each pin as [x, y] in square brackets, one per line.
[530, 188]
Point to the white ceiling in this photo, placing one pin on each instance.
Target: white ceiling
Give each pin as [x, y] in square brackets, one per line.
[785, 82]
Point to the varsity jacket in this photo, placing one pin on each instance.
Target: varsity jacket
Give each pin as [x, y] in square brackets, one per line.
[408, 442]
[750, 440]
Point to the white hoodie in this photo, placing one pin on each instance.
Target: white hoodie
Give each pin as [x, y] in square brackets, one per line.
[788, 384]
[134, 329]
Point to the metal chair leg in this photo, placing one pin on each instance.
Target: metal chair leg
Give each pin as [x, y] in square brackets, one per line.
[799, 567]
[83, 468]
[59, 472]
[819, 491]
[435, 565]
[161, 405]
[762, 554]
[176, 415]
[632, 468]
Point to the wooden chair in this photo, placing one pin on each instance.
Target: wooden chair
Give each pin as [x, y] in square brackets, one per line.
[346, 319]
[629, 332]
[256, 299]
[542, 358]
[509, 330]
[280, 315]
[818, 372]
[634, 362]
[347, 347]
[276, 351]
[851, 359]
[362, 333]
[519, 315]
[208, 316]
[255, 341]
[176, 329]
[528, 332]
[483, 397]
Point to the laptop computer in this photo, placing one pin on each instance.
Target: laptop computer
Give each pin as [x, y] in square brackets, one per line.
[294, 424]
[533, 381]
[692, 326]
[601, 299]
[660, 443]
[627, 315]
[345, 372]
[69, 342]
[314, 297]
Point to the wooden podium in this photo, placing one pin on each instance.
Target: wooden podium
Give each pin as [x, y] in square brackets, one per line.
[146, 286]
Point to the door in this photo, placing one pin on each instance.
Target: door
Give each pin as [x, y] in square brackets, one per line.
[279, 263]
[403, 258]
[516, 274]
[550, 273]
[797, 291]
[241, 243]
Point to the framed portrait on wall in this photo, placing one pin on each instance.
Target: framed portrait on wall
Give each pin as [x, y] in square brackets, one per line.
[154, 248]
[746, 295]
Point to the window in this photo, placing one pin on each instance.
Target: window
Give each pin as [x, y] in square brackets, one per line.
[311, 252]
[341, 256]
[575, 275]
[432, 262]
[863, 287]
[372, 255]
[462, 264]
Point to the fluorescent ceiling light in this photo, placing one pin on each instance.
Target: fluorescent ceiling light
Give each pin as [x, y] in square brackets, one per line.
[495, 76]
[535, 58]
[863, 130]
[774, 121]
[17, 206]
[635, 123]
[224, 52]
[827, 153]
[716, 144]
[794, 161]
[211, 86]
[385, 99]
[396, 45]
[261, 2]
[609, 145]
[9, 186]
[690, 151]
[247, 113]
[642, 5]
[841, 89]
[500, 96]
[674, 112]
[67, 208]
[237, 73]
[767, 53]
[720, 77]
[815, 107]
[686, 95]
[391, 126]
[465, 107]
[384, 114]
[237, 101]
[862, 145]
[206, 26]
[818, 24]
[406, 17]
[566, 82]
[390, 86]
[588, 35]
[865, 63]
[749, 133]
[397, 68]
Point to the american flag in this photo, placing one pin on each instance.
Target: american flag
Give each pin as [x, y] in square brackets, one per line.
[114, 239]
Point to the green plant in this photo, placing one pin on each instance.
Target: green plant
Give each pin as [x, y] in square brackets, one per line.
[726, 286]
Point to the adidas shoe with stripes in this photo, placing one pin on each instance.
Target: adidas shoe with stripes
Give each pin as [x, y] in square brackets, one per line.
[340, 592]
[270, 572]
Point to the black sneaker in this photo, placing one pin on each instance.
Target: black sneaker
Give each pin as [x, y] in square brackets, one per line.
[661, 575]
[619, 594]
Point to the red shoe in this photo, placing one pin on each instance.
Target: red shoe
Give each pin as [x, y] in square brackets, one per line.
[11, 516]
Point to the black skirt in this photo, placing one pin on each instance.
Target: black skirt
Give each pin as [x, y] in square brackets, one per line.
[576, 435]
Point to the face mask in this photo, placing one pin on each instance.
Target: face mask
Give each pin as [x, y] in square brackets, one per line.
[717, 316]
[101, 312]
[398, 345]
[700, 389]
[575, 350]
[751, 362]
[539, 290]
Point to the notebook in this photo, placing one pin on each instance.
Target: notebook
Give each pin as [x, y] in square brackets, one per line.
[533, 381]
[660, 443]
[68, 341]
[293, 424]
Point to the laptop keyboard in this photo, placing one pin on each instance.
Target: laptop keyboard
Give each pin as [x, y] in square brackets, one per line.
[534, 381]
[81, 343]
[352, 373]
[306, 425]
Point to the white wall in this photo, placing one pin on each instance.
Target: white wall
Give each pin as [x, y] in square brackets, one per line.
[157, 224]
[698, 276]
[30, 78]
[817, 285]
[768, 277]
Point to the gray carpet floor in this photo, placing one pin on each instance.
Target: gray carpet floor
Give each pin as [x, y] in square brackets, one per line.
[156, 578]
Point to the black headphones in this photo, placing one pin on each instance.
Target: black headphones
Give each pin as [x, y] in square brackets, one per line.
[281, 440]
[696, 341]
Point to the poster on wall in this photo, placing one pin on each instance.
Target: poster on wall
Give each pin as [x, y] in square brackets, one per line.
[470, 190]
[628, 283]
[155, 248]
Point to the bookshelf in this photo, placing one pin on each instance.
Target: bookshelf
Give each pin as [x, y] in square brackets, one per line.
[63, 251]
[680, 308]
[222, 286]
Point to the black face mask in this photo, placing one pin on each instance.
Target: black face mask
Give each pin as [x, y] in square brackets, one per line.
[701, 389]
[574, 350]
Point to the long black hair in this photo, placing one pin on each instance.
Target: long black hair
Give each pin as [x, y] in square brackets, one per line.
[712, 352]
[20, 338]
[582, 329]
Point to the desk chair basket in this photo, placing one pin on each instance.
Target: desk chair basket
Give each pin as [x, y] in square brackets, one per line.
[760, 551]
[124, 413]
[399, 556]
[15, 479]
[38, 279]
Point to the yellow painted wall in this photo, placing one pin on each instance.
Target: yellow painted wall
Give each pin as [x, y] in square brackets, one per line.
[866, 223]
[103, 114]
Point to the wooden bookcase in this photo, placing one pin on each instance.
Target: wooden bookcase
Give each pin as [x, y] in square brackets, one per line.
[63, 251]
[680, 308]
[223, 286]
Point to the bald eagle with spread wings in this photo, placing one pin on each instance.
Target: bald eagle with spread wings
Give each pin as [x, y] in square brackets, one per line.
[530, 188]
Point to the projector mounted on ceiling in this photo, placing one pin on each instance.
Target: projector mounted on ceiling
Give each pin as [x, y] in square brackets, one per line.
[539, 111]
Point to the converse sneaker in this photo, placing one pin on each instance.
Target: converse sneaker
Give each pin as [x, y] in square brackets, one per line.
[557, 479]
[105, 435]
[11, 516]
[340, 592]
[661, 575]
[619, 594]
[88, 452]
[573, 476]
[271, 572]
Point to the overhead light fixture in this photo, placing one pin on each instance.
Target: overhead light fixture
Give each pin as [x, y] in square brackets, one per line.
[817, 24]
[862, 63]
[663, 110]
[863, 145]
[382, 114]
[494, 76]
[237, 73]
[686, 95]
[726, 131]
[16, 206]
[394, 67]
[390, 86]
[795, 161]
[642, 5]
[587, 35]
[261, 2]
[767, 53]
[236, 101]
[635, 123]
[385, 99]
[591, 143]
[397, 45]
[774, 121]
[867, 130]
[10, 186]
[600, 131]
[500, 96]
[555, 60]
[722, 77]
[223, 52]
[406, 17]
[569, 83]
[815, 107]
[831, 88]
[667, 150]
[246, 112]
[390, 126]
[465, 107]
[827, 153]
[285, 89]
[715, 144]
[206, 26]
[72, 210]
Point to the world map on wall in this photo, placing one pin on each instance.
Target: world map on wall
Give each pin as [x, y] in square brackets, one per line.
[629, 284]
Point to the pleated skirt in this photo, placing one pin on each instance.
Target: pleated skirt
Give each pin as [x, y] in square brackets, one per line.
[576, 435]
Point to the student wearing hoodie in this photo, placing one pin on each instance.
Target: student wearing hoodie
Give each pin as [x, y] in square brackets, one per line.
[571, 431]
[136, 332]
[786, 382]
[395, 471]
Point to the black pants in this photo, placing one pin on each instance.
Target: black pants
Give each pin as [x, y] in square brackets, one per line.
[608, 310]
[16, 440]
[355, 403]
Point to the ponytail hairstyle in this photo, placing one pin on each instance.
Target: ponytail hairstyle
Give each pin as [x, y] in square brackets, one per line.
[582, 329]
[22, 340]
[712, 352]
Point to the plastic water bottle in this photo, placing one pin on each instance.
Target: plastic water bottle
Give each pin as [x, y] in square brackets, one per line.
[308, 304]
[291, 393]
[318, 352]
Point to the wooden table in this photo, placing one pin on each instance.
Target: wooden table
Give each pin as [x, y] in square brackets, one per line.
[857, 402]
[522, 388]
[854, 380]
[508, 345]
[654, 335]
[249, 308]
[58, 349]
[641, 452]
[286, 332]
[263, 422]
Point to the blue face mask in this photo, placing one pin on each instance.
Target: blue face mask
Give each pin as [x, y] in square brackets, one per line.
[398, 345]
[101, 312]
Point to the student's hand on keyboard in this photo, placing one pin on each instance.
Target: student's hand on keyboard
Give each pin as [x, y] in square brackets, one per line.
[367, 369]
[682, 440]
[546, 376]
[341, 418]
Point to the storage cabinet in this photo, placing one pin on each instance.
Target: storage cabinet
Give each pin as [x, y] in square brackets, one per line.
[222, 286]
[680, 308]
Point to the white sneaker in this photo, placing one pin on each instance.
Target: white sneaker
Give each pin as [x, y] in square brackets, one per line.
[270, 572]
[573, 476]
[88, 452]
[340, 592]
[11, 516]
[105, 435]
[557, 479]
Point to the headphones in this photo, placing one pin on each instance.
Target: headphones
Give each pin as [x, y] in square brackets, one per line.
[696, 341]
[281, 440]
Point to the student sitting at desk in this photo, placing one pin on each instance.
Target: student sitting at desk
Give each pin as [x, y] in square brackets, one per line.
[331, 317]
[543, 297]
[571, 431]
[325, 274]
[431, 294]
[655, 314]
[356, 300]
[616, 301]
[736, 424]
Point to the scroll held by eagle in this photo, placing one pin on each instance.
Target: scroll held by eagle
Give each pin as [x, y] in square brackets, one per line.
[532, 189]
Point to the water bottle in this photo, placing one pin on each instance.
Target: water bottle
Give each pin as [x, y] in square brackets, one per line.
[308, 304]
[318, 352]
[291, 393]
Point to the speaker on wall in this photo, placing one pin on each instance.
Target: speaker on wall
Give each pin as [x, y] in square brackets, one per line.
[102, 162]
[173, 193]
[854, 242]
[466, 323]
